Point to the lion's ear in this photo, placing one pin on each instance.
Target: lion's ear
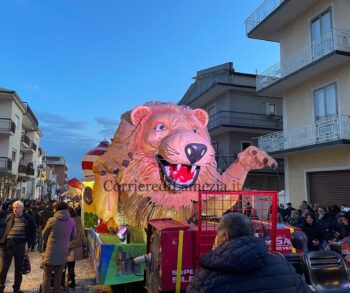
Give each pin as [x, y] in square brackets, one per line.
[202, 116]
[138, 113]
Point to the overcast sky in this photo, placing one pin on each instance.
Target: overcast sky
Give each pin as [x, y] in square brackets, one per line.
[81, 64]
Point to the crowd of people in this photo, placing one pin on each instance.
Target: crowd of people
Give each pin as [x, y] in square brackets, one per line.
[241, 262]
[322, 225]
[53, 228]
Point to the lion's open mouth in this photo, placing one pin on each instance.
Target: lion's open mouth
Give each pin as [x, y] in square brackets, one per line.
[178, 175]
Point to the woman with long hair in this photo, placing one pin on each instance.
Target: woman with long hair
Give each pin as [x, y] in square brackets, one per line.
[312, 231]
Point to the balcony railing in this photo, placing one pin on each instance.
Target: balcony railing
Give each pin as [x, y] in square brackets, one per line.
[7, 125]
[60, 162]
[5, 164]
[34, 146]
[197, 89]
[242, 119]
[336, 40]
[263, 11]
[25, 139]
[22, 169]
[26, 169]
[322, 131]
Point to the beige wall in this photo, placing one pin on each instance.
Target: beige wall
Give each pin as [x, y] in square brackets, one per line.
[4, 147]
[5, 112]
[9, 109]
[327, 159]
[299, 101]
[296, 35]
[5, 108]
[15, 140]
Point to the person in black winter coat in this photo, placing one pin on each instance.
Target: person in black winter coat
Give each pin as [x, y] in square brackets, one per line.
[313, 232]
[241, 263]
[326, 223]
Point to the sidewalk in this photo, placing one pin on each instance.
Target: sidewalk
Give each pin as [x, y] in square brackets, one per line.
[85, 277]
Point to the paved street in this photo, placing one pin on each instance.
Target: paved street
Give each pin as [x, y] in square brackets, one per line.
[31, 282]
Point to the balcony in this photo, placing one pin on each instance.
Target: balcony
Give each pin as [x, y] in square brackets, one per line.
[33, 147]
[27, 145]
[7, 126]
[331, 130]
[56, 161]
[266, 21]
[22, 169]
[26, 169]
[245, 120]
[201, 93]
[25, 140]
[311, 61]
[29, 119]
[5, 164]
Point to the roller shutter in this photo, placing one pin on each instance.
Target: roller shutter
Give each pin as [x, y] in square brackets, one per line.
[330, 187]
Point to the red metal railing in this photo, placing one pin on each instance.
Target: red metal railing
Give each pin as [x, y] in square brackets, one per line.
[259, 206]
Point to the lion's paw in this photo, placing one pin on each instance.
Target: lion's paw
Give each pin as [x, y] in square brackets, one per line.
[106, 164]
[253, 158]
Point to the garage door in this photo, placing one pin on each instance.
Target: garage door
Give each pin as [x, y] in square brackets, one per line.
[329, 188]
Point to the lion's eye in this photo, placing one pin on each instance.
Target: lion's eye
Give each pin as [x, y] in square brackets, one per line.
[160, 127]
[195, 130]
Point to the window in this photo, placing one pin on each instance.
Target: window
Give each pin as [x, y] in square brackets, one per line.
[245, 144]
[17, 121]
[211, 110]
[325, 102]
[270, 109]
[321, 34]
[14, 152]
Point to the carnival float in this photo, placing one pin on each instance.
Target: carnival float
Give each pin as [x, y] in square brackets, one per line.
[153, 196]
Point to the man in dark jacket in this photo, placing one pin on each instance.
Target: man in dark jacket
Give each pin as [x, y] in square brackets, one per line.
[241, 263]
[20, 229]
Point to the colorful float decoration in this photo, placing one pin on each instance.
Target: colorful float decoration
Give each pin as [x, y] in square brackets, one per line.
[74, 190]
[90, 218]
[159, 159]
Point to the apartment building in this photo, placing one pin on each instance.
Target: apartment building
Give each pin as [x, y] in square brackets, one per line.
[59, 168]
[236, 117]
[313, 78]
[19, 146]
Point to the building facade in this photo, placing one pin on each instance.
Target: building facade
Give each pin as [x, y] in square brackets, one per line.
[313, 78]
[59, 168]
[236, 117]
[20, 156]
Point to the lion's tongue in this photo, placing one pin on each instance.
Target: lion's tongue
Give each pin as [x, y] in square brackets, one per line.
[183, 174]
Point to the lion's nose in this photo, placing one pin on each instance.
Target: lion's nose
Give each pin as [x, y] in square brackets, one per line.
[195, 151]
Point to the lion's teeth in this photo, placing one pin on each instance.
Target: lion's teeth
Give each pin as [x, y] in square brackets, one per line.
[193, 169]
[178, 166]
